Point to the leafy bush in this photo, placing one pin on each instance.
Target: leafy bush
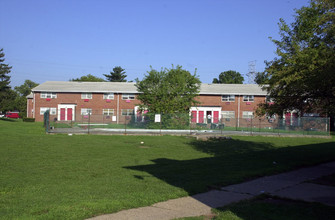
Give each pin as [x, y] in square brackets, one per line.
[29, 119]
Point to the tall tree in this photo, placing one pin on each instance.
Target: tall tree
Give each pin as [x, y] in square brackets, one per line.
[6, 94]
[261, 78]
[117, 75]
[4, 71]
[229, 77]
[302, 77]
[168, 91]
[88, 78]
[25, 88]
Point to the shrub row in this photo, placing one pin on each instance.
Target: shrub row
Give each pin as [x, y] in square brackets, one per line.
[29, 119]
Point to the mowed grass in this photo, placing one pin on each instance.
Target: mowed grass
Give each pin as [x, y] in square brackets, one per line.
[75, 177]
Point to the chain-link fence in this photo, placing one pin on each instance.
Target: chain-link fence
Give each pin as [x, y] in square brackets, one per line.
[183, 124]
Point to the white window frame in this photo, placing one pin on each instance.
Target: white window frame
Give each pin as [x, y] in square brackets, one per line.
[228, 98]
[86, 95]
[227, 114]
[86, 111]
[248, 98]
[247, 114]
[128, 96]
[108, 95]
[128, 112]
[53, 111]
[50, 95]
[108, 111]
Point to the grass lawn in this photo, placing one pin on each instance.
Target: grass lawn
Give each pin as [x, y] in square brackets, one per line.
[75, 177]
[270, 208]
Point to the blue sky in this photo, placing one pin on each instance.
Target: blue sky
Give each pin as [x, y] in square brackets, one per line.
[65, 39]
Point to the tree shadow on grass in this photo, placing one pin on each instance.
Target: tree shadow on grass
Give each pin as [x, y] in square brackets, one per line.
[233, 161]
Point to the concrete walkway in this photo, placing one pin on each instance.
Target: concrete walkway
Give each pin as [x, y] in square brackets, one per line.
[292, 185]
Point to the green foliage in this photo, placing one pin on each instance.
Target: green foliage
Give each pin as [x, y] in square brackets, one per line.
[117, 75]
[168, 91]
[302, 76]
[4, 71]
[88, 78]
[229, 77]
[28, 119]
[9, 100]
[6, 96]
[168, 121]
[262, 78]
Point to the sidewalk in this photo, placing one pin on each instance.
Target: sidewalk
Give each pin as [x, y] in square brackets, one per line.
[291, 185]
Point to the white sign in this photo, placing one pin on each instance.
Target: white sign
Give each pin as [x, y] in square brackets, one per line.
[113, 118]
[157, 118]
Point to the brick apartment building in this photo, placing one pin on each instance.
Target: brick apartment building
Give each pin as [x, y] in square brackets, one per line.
[70, 101]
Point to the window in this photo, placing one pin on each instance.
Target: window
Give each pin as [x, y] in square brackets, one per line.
[247, 114]
[109, 96]
[86, 95]
[50, 95]
[86, 111]
[53, 111]
[228, 114]
[127, 111]
[128, 96]
[248, 98]
[228, 98]
[108, 111]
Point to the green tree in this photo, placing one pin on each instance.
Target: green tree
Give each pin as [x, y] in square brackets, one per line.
[168, 91]
[8, 101]
[25, 88]
[302, 77]
[5, 90]
[261, 78]
[117, 75]
[229, 77]
[88, 78]
[4, 73]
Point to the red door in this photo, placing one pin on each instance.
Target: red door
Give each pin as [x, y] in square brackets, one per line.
[194, 117]
[62, 114]
[216, 117]
[201, 116]
[69, 114]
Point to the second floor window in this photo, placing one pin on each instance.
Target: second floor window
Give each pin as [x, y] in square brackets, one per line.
[86, 95]
[109, 96]
[51, 95]
[128, 96]
[248, 98]
[228, 98]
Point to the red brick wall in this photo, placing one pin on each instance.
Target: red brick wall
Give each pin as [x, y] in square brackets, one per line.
[30, 107]
[215, 100]
[97, 104]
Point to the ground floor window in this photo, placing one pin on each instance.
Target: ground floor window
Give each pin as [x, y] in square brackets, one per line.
[53, 111]
[247, 114]
[127, 111]
[228, 114]
[108, 111]
[86, 111]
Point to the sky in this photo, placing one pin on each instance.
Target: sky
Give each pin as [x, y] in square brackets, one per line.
[59, 40]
